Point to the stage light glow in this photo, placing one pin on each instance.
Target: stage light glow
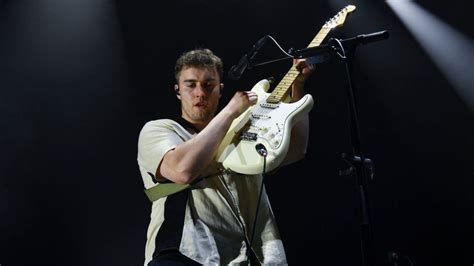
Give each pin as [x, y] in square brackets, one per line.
[450, 50]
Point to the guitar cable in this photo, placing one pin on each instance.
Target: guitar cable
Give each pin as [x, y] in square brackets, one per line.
[263, 152]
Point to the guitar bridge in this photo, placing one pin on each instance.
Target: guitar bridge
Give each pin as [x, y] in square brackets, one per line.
[250, 136]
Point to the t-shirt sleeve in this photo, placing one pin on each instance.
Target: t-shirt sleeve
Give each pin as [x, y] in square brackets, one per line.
[155, 140]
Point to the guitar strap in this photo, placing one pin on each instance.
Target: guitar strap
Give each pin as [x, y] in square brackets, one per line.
[167, 188]
[163, 190]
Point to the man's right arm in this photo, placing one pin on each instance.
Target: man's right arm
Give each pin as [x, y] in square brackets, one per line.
[189, 159]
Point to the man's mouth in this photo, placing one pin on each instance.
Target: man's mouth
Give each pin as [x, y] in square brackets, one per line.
[201, 104]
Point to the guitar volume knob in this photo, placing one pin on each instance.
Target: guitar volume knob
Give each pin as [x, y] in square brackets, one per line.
[275, 143]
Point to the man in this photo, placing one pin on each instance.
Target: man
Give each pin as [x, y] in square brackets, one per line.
[212, 221]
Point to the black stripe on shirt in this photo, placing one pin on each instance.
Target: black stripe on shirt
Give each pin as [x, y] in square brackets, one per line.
[171, 230]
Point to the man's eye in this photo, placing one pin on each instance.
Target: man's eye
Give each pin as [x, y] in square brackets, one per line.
[209, 85]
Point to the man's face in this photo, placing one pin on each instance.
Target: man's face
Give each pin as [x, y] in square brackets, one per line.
[199, 92]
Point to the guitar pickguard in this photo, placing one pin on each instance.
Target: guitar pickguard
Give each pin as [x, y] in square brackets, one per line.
[264, 123]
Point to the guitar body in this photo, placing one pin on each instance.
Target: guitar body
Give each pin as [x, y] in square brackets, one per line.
[264, 123]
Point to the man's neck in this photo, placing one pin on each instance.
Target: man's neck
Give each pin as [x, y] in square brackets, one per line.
[198, 125]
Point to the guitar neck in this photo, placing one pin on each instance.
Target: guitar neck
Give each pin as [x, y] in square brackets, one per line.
[282, 90]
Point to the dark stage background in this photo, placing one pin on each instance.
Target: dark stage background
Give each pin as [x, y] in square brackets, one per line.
[78, 79]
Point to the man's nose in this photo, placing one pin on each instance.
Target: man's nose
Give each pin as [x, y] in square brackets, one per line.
[199, 90]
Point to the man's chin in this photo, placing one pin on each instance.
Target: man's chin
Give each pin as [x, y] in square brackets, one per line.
[202, 118]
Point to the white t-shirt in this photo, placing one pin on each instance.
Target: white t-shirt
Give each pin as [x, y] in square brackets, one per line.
[210, 223]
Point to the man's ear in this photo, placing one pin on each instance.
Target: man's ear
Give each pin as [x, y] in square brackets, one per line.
[176, 90]
[221, 87]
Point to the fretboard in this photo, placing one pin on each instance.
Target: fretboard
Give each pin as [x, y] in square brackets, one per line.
[282, 90]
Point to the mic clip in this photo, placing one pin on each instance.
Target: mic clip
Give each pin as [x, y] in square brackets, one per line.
[353, 160]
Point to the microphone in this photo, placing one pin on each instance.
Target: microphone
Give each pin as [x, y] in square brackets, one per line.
[367, 38]
[323, 50]
[238, 69]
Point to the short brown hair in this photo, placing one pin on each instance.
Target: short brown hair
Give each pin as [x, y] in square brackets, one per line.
[198, 58]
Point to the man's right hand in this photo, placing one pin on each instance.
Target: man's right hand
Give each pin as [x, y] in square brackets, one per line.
[240, 102]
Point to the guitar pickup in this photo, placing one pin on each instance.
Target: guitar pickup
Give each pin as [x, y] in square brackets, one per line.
[261, 116]
[269, 105]
[250, 136]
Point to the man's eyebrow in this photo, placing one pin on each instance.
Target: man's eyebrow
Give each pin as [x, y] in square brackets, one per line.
[195, 80]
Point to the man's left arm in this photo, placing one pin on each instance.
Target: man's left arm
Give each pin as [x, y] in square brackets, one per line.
[300, 131]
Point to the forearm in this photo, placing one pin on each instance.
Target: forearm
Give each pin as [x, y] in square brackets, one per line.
[299, 132]
[297, 90]
[186, 162]
[298, 141]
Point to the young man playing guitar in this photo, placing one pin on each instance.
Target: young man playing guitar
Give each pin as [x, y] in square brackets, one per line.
[212, 220]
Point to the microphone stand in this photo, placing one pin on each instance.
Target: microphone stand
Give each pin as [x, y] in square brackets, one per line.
[359, 165]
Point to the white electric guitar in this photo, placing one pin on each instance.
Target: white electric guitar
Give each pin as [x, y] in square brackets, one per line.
[270, 121]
